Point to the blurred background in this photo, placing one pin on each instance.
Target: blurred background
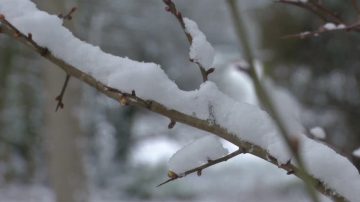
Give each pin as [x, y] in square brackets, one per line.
[95, 150]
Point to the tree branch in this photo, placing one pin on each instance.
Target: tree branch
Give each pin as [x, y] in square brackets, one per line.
[174, 176]
[132, 100]
[60, 97]
[171, 8]
[324, 14]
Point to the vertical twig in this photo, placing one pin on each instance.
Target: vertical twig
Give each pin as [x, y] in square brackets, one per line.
[266, 100]
[60, 97]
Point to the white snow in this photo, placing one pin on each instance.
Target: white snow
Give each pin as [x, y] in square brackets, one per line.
[341, 26]
[356, 152]
[248, 122]
[201, 50]
[332, 26]
[318, 132]
[329, 26]
[196, 154]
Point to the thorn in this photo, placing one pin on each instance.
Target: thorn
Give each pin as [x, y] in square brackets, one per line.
[167, 181]
[199, 172]
[209, 71]
[290, 172]
[133, 93]
[60, 104]
[178, 14]
[171, 124]
[288, 162]
[44, 51]
[29, 36]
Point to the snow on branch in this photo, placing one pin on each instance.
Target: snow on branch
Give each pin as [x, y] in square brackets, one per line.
[201, 51]
[146, 85]
[332, 21]
[198, 152]
[198, 170]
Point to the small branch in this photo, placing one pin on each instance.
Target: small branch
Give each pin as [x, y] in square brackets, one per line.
[316, 8]
[326, 15]
[60, 97]
[171, 8]
[174, 176]
[171, 124]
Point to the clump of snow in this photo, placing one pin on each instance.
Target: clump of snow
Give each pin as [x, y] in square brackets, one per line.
[318, 132]
[329, 26]
[247, 122]
[356, 152]
[332, 26]
[196, 154]
[341, 26]
[201, 50]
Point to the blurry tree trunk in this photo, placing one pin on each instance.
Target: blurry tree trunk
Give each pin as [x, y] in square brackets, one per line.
[62, 132]
[5, 70]
[62, 139]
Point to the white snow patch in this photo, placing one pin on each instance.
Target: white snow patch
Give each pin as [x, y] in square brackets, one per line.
[318, 133]
[196, 154]
[329, 26]
[332, 26]
[201, 50]
[356, 152]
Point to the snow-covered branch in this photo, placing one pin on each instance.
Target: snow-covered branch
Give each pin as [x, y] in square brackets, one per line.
[146, 85]
[201, 51]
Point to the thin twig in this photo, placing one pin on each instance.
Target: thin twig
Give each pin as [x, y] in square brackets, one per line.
[60, 97]
[199, 169]
[171, 8]
[266, 100]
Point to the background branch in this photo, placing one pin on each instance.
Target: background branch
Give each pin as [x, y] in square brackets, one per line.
[267, 101]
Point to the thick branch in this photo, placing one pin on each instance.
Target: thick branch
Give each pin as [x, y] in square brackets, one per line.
[133, 100]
